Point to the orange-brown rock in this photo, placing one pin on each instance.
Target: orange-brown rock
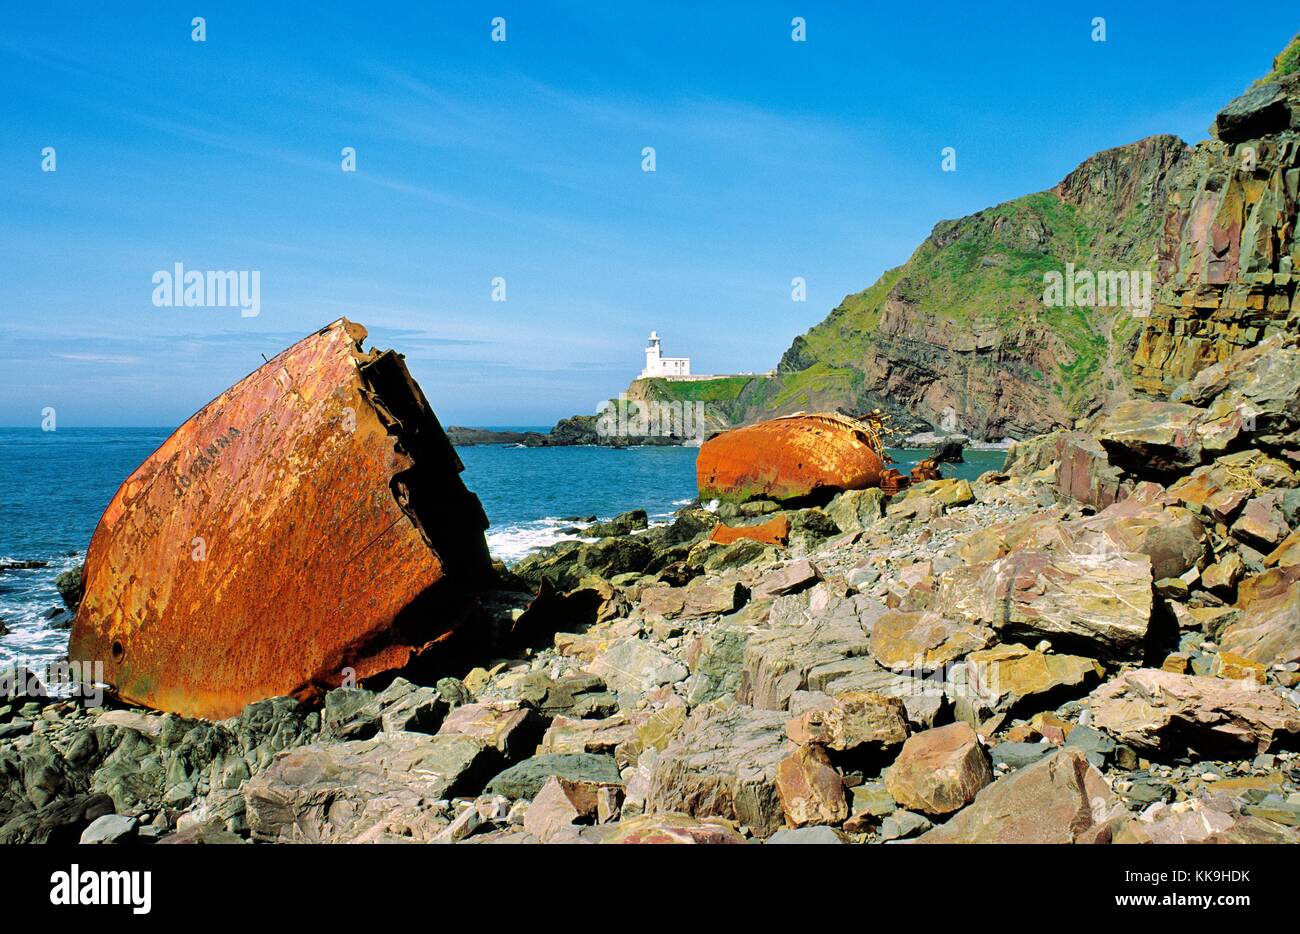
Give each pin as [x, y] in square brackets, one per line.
[852, 720]
[672, 828]
[790, 458]
[309, 520]
[811, 791]
[939, 771]
[1158, 711]
[1061, 799]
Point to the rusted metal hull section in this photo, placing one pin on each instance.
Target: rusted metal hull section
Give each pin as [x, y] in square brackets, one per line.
[796, 457]
[774, 531]
[309, 520]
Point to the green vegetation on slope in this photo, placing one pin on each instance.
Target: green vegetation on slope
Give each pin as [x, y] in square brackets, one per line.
[1286, 63]
[985, 273]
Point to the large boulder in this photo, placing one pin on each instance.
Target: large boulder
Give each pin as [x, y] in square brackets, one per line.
[700, 597]
[525, 779]
[1156, 440]
[723, 763]
[810, 790]
[1260, 111]
[940, 770]
[1161, 712]
[60, 821]
[1085, 474]
[1061, 799]
[1099, 603]
[1268, 629]
[851, 720]
[1016, 678]
[1174, 539]
[365, 791]
[924, 640]
[778, 662]
[634, 665]
[855, 510]
[1263, 382]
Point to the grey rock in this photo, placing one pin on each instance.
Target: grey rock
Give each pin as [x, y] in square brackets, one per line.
[1096, 745]
[903, 824]
[525, 779]
[373, 790]
[111, 828]
[1019, 755]
[723, 763]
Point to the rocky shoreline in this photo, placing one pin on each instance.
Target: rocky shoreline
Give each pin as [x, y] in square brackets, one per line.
[1099, 643]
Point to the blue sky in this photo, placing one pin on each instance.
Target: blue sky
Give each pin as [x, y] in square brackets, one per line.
[522, 159]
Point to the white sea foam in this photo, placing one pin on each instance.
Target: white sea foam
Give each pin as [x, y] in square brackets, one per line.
[517, 539]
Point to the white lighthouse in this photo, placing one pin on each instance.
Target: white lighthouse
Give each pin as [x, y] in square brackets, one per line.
[657, 365]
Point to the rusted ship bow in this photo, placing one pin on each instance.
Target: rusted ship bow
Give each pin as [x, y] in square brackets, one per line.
[308, 524]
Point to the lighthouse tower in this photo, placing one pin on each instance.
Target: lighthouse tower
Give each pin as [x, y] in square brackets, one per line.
[657, 365]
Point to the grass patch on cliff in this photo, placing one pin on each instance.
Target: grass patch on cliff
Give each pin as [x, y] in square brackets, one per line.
[1286, 63]
[722, 389]
[815, 388]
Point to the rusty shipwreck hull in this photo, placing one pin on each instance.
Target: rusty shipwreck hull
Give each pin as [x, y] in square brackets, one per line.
[308, 520]
[791, 458]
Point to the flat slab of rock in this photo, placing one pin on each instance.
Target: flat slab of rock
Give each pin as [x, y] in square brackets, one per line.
[777, 662]
[850, 721]
[111, 828]
[796, 576]
[1202, 820]
[1153, 439]
[504, 725]
[939, 771]
[1095, 601]
[924, 640]
[1268, 630]
[525, 779]
[1157, 711]
[602, 737]
[634, 665]
[697, 599]
[1062, 799]
[723, 763]
[1261, 524]
[672, 828]
[364, 791]
[1014, 676]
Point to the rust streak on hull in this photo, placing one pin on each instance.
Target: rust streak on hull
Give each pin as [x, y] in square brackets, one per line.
[790, 458]
[309, 519]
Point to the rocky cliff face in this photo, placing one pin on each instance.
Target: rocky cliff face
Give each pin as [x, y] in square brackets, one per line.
[961, 337]
[1230, 240]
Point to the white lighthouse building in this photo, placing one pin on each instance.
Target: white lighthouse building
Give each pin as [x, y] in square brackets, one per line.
[657, 365]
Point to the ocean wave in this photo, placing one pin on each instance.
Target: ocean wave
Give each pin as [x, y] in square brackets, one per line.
[516, 540]
[27, 600]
